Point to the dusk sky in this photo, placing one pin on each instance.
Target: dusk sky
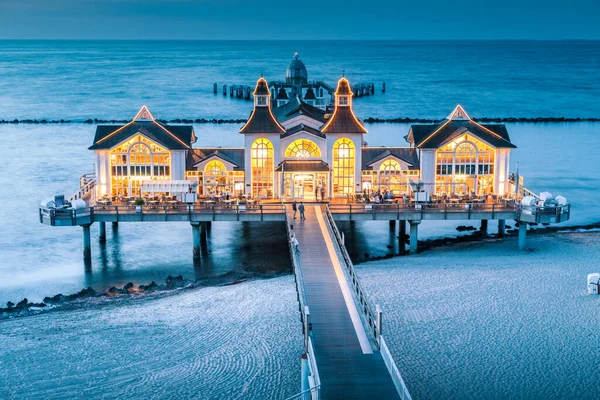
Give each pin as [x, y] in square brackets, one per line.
[298, 19]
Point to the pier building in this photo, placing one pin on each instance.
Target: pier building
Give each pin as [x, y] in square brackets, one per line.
[148, 171]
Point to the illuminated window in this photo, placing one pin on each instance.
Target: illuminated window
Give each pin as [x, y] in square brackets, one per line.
[343, 101]
[261, 101]
[390, 177]
[302, 148]
[136, 160]
[389, 166]
[262, 168]
[343, 167]
[465, 165]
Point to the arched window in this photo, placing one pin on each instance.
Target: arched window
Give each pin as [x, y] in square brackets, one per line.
[465, 165]
[303, 148]
[390, 176]
[343, 167]
[465, 157]
[136, 160]
[215, 168]
[390, 166]
[261, 153]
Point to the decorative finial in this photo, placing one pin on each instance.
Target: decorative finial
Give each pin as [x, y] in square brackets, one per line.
[296, 55]
[343, 73]
[261, 74]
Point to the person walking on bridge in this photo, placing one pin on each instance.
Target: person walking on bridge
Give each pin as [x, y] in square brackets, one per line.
[294, 208]
[301, 209]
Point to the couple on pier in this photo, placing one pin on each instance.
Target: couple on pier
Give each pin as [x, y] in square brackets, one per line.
[300, 207]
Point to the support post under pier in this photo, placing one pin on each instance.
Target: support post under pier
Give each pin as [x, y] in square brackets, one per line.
[115, 225]
[203, 231]
[392, 223]
[501, 227]
[402, 236]
[196, 239]
[522, 235]
[87, 247]
[102, 231]
[414, 236]
[484, 226]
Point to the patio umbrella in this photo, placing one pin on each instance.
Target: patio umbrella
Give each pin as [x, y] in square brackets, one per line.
[546, 195]
[561, 200]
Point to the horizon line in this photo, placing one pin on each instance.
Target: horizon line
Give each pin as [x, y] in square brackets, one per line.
[299, 40]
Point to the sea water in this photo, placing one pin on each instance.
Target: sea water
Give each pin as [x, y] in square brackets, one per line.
[77, 80]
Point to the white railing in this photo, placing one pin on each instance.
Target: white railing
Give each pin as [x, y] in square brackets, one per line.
[87, 183]
[373, 317]
[393, 369]
[314, 381]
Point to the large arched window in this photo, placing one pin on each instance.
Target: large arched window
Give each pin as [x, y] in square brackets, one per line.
[215, 168]
[390, 176]
[465, 165]
[343, 167]
[389, 166]
[261, 153]
[302, 148]
[136, 160]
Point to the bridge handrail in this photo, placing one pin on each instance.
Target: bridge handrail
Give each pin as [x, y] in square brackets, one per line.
[561, 212]
[314, 378]
[87, 184]
[376, 328]
[368, 309]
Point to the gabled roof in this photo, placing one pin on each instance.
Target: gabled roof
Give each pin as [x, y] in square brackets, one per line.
[232, 156]
[300, 128]
[371, 155]
[172, 137]
[296, 107]
[457, 124]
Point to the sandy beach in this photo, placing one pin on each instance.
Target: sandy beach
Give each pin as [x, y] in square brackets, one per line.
[229, 342]
[485, 321]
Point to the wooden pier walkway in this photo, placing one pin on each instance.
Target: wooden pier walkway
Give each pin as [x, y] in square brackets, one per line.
[350, 365]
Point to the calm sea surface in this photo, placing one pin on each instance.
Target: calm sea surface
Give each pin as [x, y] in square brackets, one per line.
[37, 260]
[110, 80]
[80, 80]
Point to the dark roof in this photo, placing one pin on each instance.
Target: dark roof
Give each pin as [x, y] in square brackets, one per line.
[435, 136]
[343, 87]
[303, 166]
[173, 137]
[282, 94]
[296, 71]
[299, 128]
[371, 155]
[296, 107]
[343, 120]
[262, 121]
[310, 94]
[262, 88]
[233, 156]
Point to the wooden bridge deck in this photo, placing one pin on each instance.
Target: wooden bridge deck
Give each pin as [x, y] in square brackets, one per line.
[350, 366]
